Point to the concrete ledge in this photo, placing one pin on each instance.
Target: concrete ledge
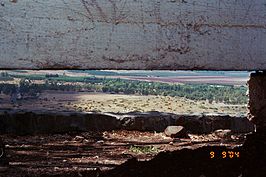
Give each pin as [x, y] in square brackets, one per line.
[23, 123]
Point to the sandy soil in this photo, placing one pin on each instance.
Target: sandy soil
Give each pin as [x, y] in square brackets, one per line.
[86, 102]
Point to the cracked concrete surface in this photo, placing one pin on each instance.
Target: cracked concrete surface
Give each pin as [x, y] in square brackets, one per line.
[142, 34]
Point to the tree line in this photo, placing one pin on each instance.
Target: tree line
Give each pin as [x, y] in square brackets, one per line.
[217, 93]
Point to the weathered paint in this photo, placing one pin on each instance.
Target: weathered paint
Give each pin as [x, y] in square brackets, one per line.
[133, 34]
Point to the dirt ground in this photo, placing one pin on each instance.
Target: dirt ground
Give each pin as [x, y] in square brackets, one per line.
[100, 102]
[89, 153]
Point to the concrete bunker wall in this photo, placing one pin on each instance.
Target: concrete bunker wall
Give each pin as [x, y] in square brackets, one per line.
[257, 99]
[142, 34]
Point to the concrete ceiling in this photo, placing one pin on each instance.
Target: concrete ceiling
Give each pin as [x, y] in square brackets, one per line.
[133, 34]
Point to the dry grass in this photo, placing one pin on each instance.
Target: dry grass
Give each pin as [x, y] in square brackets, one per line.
[128, 103]
[86, 102]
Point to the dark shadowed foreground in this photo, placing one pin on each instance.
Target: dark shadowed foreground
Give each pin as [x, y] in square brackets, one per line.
[120, 145]
[94, 154]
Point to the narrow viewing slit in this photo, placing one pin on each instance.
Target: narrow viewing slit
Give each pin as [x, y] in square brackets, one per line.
[89, 122]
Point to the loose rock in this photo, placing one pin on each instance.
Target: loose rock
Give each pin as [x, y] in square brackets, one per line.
[79, 138]
[176, 132]
[223, 133]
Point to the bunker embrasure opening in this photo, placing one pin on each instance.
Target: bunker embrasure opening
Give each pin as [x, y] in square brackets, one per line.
[89, 122]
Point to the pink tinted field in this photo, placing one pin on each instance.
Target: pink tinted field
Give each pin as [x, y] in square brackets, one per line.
[223, 80]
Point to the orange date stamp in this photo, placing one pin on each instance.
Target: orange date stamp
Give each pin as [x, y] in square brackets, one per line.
[225, 154]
